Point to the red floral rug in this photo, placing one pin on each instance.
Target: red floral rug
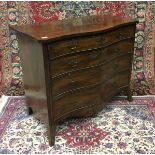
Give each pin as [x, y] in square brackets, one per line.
[121, 127]
[23, 12]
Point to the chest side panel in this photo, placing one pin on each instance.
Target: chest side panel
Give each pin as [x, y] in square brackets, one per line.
[31, 53]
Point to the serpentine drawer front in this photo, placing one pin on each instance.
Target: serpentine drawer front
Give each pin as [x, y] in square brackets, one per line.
[72, 68]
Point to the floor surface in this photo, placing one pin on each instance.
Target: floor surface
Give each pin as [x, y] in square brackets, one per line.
[121, 127]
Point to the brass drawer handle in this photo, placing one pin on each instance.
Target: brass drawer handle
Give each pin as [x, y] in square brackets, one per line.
[98, 54]
[69, 74]
[113, 49]
[73, 64]
[73, 46]
[72, 82]
[120, 36]
[102, 40]
[118, 51]
[74, 102]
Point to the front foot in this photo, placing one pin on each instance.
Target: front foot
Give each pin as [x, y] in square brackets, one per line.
[30, 111]
[51, 134]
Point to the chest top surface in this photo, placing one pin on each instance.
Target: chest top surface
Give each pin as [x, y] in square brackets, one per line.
[72, 27]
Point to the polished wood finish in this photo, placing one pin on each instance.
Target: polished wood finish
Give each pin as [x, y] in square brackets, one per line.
[86, 76]
[72, 68]
[78, 44]
[73, 27]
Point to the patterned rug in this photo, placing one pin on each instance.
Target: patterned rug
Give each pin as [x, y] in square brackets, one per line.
[24, 12]
[121, 127]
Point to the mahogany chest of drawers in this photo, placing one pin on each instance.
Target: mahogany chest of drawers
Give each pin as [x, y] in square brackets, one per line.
[72, 68]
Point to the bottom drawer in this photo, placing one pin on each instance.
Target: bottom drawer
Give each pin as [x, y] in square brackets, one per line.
[86, 111]
[77, 100]
[89, 96]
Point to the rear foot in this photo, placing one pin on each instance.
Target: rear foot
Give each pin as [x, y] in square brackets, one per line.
[130, 99]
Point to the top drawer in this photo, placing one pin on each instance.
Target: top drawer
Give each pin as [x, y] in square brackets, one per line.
[77, 44]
